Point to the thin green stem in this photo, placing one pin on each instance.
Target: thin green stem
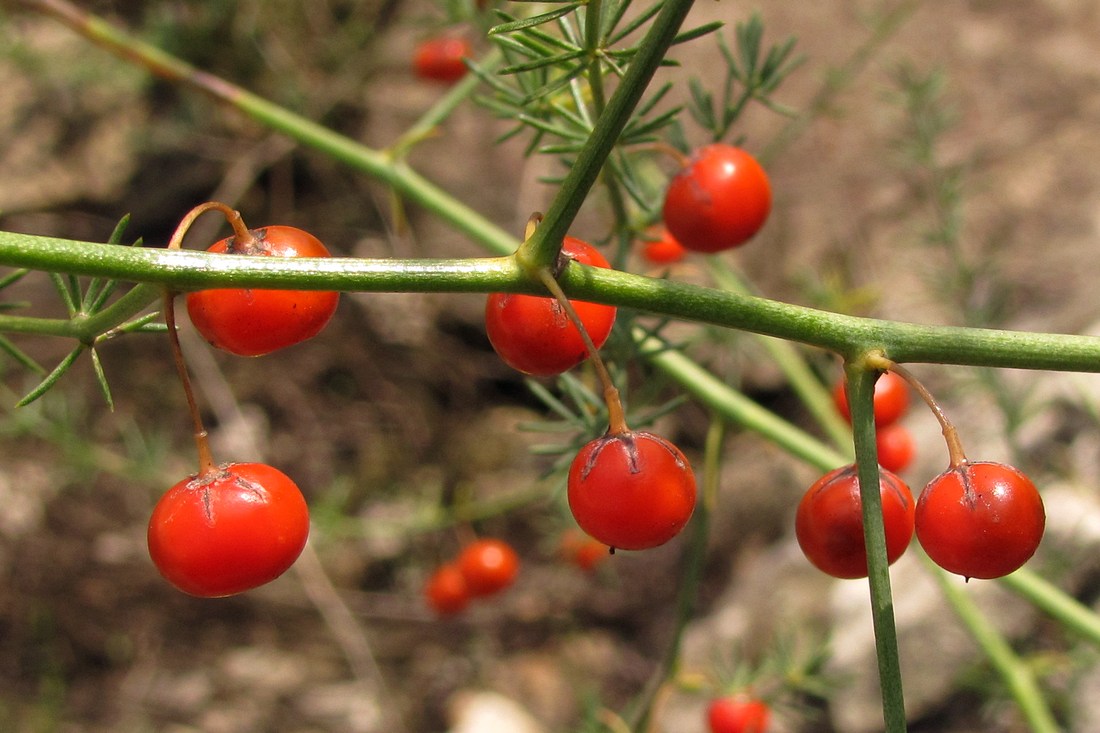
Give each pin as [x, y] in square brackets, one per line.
[1014, 671]
[86, 328]
[861, 390]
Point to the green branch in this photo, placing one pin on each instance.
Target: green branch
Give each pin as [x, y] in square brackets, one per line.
[843, 334]
[861, 389]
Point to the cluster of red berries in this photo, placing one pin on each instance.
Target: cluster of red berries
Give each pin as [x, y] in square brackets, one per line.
[230, 528]
[628, 489]
[976, 519]
[483, 568]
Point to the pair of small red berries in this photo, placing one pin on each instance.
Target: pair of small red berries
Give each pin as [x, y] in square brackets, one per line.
[893, 441]
[483, 568]
[232, 528]
[976, 519]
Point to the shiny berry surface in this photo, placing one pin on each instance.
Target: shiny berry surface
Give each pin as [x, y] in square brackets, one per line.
[632, 490]
[489, 566]
[533, 334]
[221, 534]
[254, 321]
[718, 201]
[829, 522]
[980, 519]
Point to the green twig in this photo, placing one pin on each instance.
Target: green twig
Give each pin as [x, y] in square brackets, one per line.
[861, 389]
[846, 335]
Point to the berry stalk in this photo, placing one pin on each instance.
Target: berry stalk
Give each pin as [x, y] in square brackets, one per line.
[207, 465]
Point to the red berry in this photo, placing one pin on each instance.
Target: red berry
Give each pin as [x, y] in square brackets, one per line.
[895, 447]
[738, 714]
[891, 399]
[446, 591]
[980, 520]
[631, 490]
[224, 533]
[488, 565]
[583, 551]
[663, 249]
[719, 200]
[533, 334]
[253, 321]
[441, 59]
[829, 522]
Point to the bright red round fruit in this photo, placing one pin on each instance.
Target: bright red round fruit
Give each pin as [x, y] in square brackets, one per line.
[738, 714]
[488, 565]
[829, 522]
[442, 59]
[631, 490]
[446, 591]
[253, 321]
[719, 200]
[891, 399]
[895, 447]
[980, 520]
[224, 533]
[533, 334]
[663, 249]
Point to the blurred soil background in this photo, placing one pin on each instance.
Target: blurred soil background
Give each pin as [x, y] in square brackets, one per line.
[401, 408]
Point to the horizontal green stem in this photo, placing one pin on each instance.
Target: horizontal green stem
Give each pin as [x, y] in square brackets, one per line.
[843, 334]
